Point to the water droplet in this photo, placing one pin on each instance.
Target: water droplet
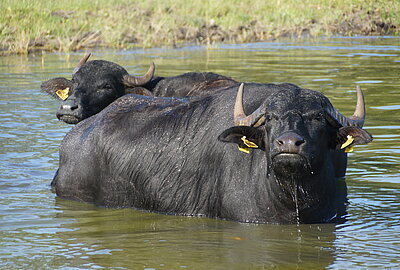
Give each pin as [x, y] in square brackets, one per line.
[296, 204]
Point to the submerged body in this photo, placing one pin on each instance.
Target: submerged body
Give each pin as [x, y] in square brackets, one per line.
[178, 156]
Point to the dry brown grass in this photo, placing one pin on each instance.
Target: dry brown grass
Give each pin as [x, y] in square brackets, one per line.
[70, 25]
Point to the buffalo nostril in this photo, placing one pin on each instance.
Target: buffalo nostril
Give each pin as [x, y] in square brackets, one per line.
[299, 142]
[68, 107]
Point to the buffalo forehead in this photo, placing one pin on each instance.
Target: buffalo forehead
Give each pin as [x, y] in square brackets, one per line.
[97, 69]
[303, 101]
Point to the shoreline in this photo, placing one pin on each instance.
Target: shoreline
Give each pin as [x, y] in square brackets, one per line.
[60, 28]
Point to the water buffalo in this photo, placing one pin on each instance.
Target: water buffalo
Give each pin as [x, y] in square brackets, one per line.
[95, 84]
[181, 155]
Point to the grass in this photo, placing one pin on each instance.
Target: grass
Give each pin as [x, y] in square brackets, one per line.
[70, 25]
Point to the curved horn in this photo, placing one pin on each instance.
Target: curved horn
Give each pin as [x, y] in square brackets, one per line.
[359, 113]
[131, 81]
[239, 117]
[81, 62]
[358, 117]
[238, 111]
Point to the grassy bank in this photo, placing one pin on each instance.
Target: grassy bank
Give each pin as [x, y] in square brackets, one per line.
[68, 25]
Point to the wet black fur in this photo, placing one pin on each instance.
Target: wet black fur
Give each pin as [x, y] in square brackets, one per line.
[98, 83]
[175, 156]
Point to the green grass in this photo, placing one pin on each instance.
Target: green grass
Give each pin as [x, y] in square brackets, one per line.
[75, 24]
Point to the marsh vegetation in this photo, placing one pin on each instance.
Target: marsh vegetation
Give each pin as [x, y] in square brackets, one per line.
[69, 25]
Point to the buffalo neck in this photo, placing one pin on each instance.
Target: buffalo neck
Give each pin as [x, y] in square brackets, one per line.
[305, 198]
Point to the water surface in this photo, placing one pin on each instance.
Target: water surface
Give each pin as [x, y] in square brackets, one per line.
[40, 231]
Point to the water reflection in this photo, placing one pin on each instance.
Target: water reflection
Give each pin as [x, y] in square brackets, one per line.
[41, 231]
[138, 239]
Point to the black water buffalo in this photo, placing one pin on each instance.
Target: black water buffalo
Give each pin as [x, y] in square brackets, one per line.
[95, 84]
[178, 155]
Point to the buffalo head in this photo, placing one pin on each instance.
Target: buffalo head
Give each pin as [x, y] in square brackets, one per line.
[302, 135]
[94, 85]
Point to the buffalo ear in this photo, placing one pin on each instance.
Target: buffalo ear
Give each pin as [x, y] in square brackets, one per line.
[347, 137]
[245, 137]
[57, 87]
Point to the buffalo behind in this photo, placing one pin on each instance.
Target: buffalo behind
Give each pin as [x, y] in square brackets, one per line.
[96, 84]
[205, 156]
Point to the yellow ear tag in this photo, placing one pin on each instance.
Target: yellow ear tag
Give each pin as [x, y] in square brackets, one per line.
[349, 141]
[349, 149]
[63, 94]
[249, 143]
[244, 149]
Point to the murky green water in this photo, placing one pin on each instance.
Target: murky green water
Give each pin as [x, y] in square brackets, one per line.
[40, 231]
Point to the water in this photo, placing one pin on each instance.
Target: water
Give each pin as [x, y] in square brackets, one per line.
[40, 231]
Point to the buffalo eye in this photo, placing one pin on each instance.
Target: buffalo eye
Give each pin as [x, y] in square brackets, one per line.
[75, 80]
[104, 87]
[107, 86]
[270, 117]
[319, 117]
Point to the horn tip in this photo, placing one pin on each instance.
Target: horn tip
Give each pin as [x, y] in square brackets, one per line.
[360, 93]
[86, 57]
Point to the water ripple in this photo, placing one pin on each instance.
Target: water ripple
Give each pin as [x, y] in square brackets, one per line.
[39, 230]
